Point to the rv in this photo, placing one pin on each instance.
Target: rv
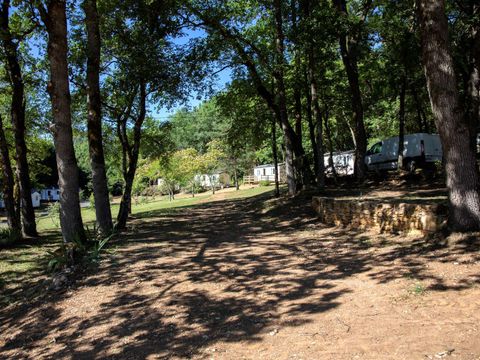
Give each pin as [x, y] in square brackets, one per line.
[420, 150]
[343, 162]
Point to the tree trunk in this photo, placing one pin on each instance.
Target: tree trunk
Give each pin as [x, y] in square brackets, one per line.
[8, 181]
[318, 120]
[97, 159]
[330, 145]
[55, 20]
[131, 152]
[460, 163]
[235, 177]
[275, 157]
[17, 110]
[311, 131]
[401, 121]
[421, 116]
[349, 58]
[282, 97]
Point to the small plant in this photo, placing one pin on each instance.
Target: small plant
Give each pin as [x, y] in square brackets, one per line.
[264, 183]
[91, 201]
[9, 236]
[54, 213]
[418, 289]
[85, 252]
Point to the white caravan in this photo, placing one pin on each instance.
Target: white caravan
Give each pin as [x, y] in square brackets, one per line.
[343, 162]
[420, 150]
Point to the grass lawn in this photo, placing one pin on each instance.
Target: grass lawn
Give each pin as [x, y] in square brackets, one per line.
[23, 266]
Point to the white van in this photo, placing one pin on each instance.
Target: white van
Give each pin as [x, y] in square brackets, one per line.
[420, 150]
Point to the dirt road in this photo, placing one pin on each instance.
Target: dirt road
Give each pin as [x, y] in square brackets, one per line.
[256, 279]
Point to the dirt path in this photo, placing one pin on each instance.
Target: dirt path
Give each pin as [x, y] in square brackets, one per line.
[250, 279]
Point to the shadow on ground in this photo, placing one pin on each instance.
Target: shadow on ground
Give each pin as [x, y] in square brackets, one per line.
[226, 271]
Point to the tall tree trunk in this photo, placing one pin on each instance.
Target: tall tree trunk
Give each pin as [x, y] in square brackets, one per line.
[17, 110]
[421, 116]
[330, 144]
[282, 97]
[55, 20]
[130, 156]
[349, 58]
[474, 76]
[401, 122]
[311, 131]
[275, 157]
[460, 163]
[8, 181]
[97, 159]
[319, 125]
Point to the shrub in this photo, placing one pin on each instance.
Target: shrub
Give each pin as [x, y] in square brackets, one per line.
[9, 236]
[264, 183]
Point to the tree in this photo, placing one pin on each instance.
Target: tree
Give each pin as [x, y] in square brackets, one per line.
[54, 18]
[13, 219]
[97, 159]
[17, 111]
[349, 50]
[460, 163]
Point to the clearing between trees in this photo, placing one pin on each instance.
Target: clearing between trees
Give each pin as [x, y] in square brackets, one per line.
[258, 278]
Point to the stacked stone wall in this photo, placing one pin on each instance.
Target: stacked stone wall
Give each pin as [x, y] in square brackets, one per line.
[381, 217]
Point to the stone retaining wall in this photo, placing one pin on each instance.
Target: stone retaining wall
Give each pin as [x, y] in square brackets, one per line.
[382, 217]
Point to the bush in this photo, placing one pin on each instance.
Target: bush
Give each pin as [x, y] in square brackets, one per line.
[86, 252]
[9, 236]
[264, 183]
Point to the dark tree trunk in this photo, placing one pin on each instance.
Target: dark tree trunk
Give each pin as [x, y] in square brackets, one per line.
[473, 96]
[349, 57]
[130, 156]
[311, 131]
[17, 109]
[97, 159]
[401, 121]
[275, 157]
[421, 116]
[55, 20]
[460, 163]
[330, 144]
[8, 181]
[282, 97]
[319, 125]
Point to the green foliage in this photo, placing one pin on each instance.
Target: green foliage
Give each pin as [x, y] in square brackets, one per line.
[264, 183]
[84, 252]
[9, 236]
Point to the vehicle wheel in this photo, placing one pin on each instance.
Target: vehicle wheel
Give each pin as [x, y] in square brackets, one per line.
[411, 166]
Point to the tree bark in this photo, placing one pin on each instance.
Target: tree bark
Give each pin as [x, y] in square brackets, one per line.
[130, 156]
[275, 157]
[330, 145]
[460, 163]
[8, 181]
[311, 131]
[54, 17]
[401, 121]
[17, 111]
[349, 58]
[97, 159]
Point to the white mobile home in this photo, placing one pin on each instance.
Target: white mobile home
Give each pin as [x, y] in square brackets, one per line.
[343, 162]
[219, 180]
[50, 194]
[36, 197]
[35, 200]
[267, 172]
